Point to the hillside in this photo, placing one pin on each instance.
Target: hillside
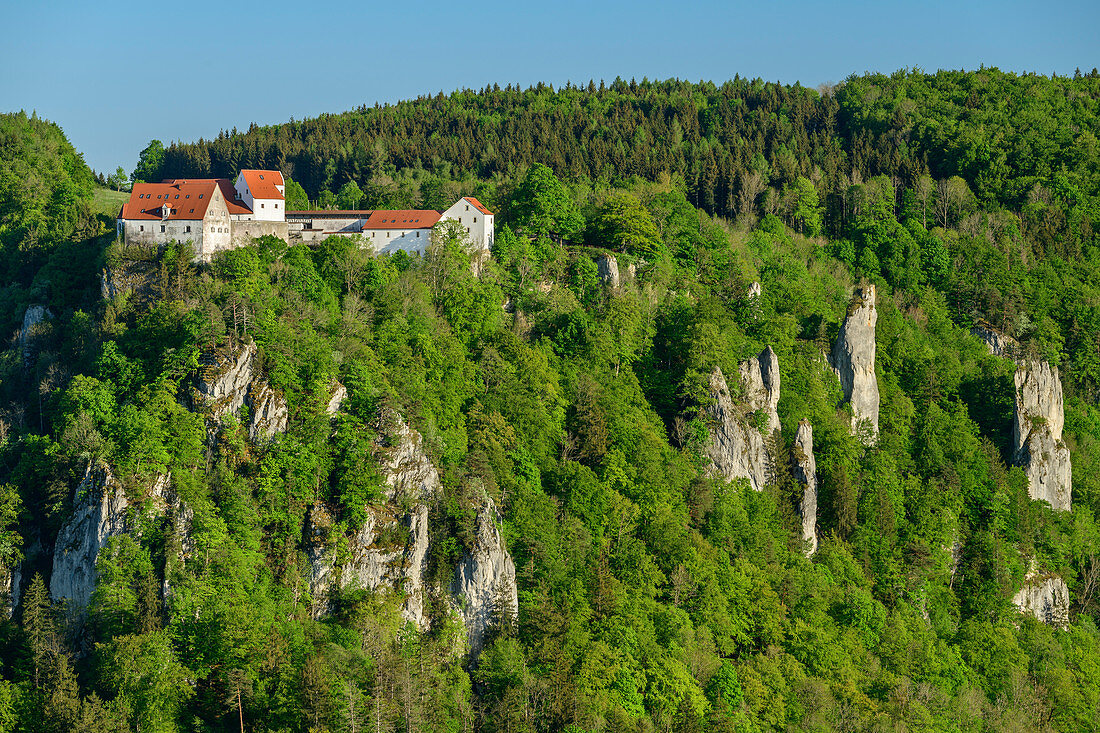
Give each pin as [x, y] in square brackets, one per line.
[771, 411]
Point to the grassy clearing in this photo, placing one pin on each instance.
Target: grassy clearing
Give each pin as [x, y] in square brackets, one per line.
[106, 201]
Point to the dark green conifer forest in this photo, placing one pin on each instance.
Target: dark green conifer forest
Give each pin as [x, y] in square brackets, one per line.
[653, 596]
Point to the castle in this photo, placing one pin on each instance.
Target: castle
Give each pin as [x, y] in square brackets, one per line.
[216, 214]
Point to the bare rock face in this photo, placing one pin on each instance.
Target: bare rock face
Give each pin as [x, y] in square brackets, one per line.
[853, 360]
[1046, 597]
[999, 344]
[608, 268]
[229, 379]
[33, 319]
[101, 510]
[484, 585]
[269, 413]
[760, 381]
[755, 291]
[1037, 433]
[339, 394]
[390, 550]
[738, 447]
[10, 579]
[805, 472]
[99, 513]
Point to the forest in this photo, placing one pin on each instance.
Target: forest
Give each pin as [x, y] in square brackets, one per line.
[652, 594]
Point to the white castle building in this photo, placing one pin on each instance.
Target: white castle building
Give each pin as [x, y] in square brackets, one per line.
[215, 214]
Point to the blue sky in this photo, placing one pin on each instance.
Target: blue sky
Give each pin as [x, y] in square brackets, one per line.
[115, 75]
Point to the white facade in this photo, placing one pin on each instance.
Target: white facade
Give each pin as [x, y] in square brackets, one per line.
[478, 225]
[263, 209]
[388, 241]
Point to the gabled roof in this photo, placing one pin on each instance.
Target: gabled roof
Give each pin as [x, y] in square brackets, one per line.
[188, 199]
[262, 184]
[234, 204]
[402, 219]
[478, 205]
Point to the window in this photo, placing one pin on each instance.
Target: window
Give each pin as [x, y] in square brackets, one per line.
[200, 195]
[475, 220]
[188, 196]
[467, 207]
[188, 230]
[162, 229]
[141, 228]
[387, 235]
[192, 211]
[261, 206]
[276, 206]
[177, 195]
[418, 235]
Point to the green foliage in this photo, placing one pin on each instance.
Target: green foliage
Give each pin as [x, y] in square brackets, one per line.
[624, 224]
[652, 594]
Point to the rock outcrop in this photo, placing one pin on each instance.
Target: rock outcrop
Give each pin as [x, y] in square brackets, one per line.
[755, 291]
[33, 318]
[1037, 421]
[99, 513]
[484, 587]
[608, 268]
[1037, 433]
[805, 472]
[742, 432]
[390, 550]
[228, 379]
[1046, 597]
[853, 360]
[10, 578]
[999, 344]
[339, 394]
[101, 510]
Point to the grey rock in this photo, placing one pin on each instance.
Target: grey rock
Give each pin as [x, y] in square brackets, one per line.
[484, 585]
[339, 394]
[268, 414]
[1046, 597]
[737, 449]
[99, 513]
[760, 381]
[755, 291]
[1037, 433]
[227, 380]
[608, 268]
[9, 588]
[398, 562]
[33, 319]
[805, 472]
[998, 343]
[853, 360]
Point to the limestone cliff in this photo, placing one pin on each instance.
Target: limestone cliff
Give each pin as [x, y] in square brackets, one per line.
[390, 550]
[10, 579]
[1046, 597]
[853, 360]
[336, 401]
[805, 472]
[999, 344]
[484, 587]
[740, 439]
[608, 268]
[1037, 433]
[228, 379]
[102, 510]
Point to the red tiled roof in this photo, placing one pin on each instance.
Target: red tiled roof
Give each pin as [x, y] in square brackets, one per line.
[262, 184]
[334, 213]
[235, 205]
[478, 205]
[188, 199]
[402, 219]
